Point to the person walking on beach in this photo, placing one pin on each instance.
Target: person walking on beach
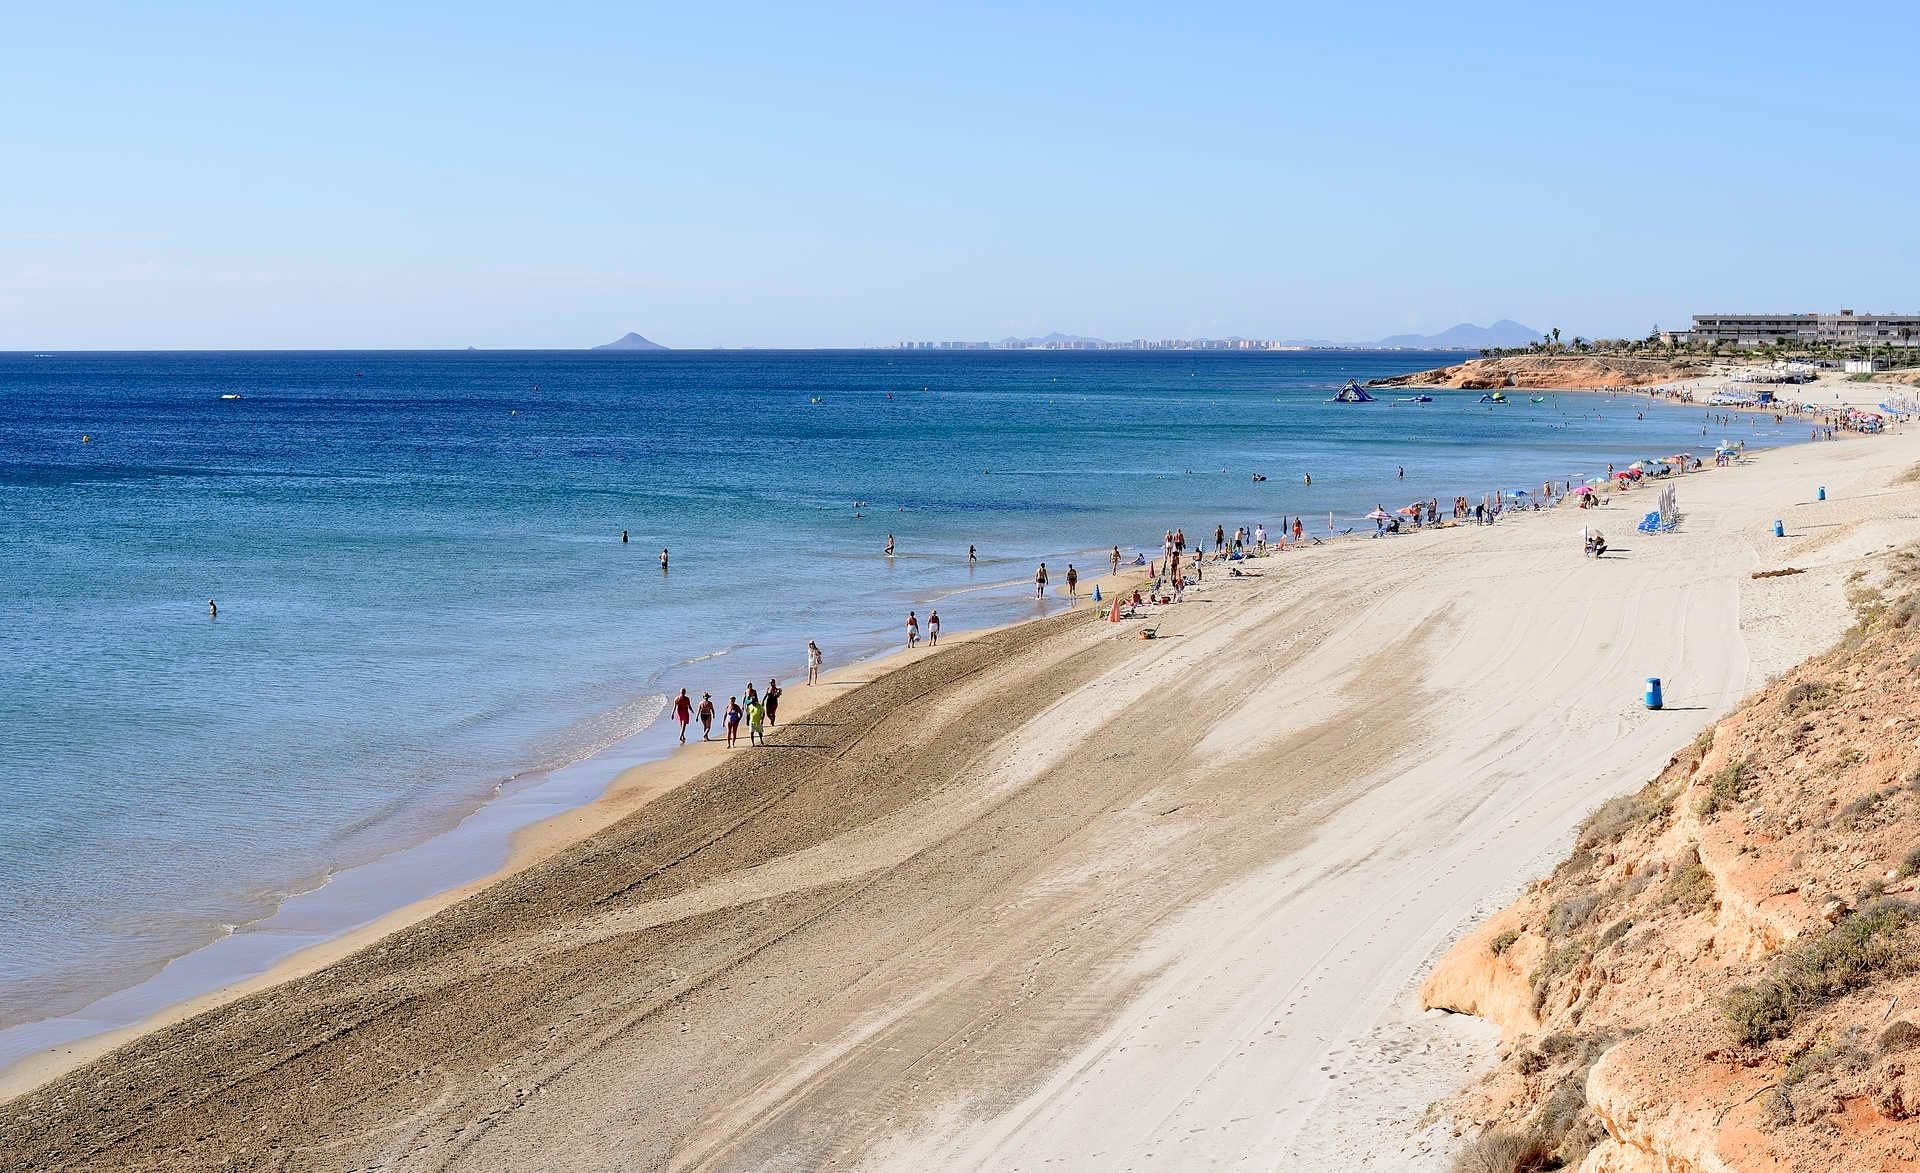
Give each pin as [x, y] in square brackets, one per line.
[1219, 538]
[771, 701]
[683, 713]
[756, 720]
[663, 559]
[1040, 581]
[913, 630]
[933, 628]
[813, 662]
[732, 720]
[706, 716]
[1114, 558]
[971, 556]
[753, 694]
[1179, 541]
[1260, 537]
[1297, 530]
[1073, 582]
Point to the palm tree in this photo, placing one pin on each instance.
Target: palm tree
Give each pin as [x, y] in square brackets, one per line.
[1556, 337]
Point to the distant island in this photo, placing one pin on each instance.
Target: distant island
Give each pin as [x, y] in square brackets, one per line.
[1465, 336]
[630, 341]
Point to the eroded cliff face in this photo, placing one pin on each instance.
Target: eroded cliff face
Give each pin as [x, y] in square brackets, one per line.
[1725, 974]
[1549, 372]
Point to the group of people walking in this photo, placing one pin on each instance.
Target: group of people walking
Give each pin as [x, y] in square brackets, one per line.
[757, 713]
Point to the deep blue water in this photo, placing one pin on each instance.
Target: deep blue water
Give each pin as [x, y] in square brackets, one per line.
[423, 593]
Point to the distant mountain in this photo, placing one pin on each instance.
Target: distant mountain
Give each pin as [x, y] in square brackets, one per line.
[630, 341]
[1056, 336]
[1465, 336]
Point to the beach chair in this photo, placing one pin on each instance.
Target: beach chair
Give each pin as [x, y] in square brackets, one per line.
[1650, 523]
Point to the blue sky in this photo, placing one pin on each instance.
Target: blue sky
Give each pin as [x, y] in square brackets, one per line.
[207, 175]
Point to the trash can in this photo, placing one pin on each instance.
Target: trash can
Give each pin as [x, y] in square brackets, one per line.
[1779, 528]
[1822, 494]
[1654, 699]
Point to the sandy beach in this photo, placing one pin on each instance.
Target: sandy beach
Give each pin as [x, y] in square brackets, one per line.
[1051, 895]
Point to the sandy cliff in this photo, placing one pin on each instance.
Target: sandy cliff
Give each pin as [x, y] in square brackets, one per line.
[1568, 371]
[1725, 974]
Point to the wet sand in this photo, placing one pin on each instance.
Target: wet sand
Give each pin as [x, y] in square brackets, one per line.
[1051, 892]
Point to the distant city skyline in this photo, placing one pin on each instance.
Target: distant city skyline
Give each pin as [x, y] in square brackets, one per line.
[205, 176]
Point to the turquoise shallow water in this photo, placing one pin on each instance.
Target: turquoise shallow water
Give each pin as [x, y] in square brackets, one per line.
[423, 595]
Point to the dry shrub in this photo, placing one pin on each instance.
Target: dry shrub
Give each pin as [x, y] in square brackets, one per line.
[1727, 787]
[1805, 697]
[1611, 820]
[1556, 964]
[1910, 863]
[1898, 1037]
[1569, 916]
[1779, 1111]
[1505, 1152]
[1503, 942]
[1822, 1058]
[1861, 809]
[1690, 886]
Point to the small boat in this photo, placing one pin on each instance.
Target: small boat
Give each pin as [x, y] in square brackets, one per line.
[231, 395]
[1416, 399]
[1537, 399]
[1353, 392]
[1494, 397]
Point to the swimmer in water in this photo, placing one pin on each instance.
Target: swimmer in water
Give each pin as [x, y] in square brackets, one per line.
[663, 558]
[213, 609]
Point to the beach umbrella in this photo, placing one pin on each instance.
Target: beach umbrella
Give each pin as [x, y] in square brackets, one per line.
[1409, 510]
[1377, 515]
[1596, 480]
[1583, 491]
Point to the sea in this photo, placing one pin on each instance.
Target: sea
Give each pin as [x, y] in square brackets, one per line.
[442, 615]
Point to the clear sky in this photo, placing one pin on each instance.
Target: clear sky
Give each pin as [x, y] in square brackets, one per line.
[347, 174]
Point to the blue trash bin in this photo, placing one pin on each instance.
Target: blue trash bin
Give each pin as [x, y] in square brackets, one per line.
[1654, 699]
[1822, 494]
[1096, 592]
[1779, 528]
